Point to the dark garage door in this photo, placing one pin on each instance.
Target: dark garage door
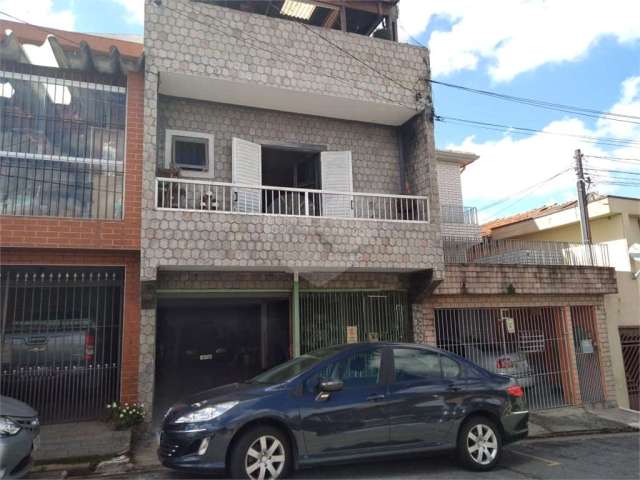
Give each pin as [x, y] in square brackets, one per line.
[203, 344]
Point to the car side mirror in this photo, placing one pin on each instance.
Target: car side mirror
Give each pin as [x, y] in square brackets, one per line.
[326, 388]
[332, 385]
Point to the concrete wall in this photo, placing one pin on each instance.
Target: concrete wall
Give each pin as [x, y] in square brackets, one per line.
[450, 190]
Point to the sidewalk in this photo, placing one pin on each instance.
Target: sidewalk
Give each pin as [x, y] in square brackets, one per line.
[93, 439]
[581, 421]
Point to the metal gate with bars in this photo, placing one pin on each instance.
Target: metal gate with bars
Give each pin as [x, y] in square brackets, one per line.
[586, 346]
[530, 344]
[61, 339]
[630, 341]
[326, 316]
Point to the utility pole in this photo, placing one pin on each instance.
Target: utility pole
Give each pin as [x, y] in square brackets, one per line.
[582, 198]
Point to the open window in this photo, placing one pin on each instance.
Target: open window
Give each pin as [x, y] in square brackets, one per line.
[191, 152]
[284, 180]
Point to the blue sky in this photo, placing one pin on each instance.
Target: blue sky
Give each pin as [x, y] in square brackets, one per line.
[529, 48]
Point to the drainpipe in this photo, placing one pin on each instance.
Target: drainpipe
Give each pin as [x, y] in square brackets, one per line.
[295, 325]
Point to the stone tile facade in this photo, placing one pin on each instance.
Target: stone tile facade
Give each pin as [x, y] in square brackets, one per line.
[214, 48]
[527, 280]
[205, 40]
[374, 148]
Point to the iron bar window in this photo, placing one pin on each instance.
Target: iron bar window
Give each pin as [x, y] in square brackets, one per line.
[62, 143]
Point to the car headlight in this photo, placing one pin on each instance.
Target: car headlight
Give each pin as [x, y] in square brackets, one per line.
[207, 413]
[8, 427]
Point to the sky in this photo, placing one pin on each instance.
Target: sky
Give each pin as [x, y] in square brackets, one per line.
[583, 53]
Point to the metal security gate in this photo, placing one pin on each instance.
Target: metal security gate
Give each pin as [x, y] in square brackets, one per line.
[333, 318]
[60, 337]
[530, 344]
[585, 339]
[630, 341]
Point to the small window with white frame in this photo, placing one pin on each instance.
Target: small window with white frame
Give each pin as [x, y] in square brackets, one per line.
[191, 152]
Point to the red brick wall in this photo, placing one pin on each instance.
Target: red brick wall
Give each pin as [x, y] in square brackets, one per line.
[49, 232]
[131, 318]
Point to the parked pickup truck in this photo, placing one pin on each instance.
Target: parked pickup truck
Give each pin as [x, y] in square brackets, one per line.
[69, 344]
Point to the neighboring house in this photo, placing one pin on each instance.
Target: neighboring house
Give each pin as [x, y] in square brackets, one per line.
[70, 182]
[292, 201]
[457, 219]
[615, 222]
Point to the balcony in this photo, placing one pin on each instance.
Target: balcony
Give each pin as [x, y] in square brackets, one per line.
[459, 215]
[62, 141]
[207, 225]
[459, 250]
[219, 197]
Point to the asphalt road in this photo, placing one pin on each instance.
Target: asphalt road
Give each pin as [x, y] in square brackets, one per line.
[610, 457]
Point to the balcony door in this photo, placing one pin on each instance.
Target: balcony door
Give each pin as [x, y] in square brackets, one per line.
[337, 177]
[246, 169]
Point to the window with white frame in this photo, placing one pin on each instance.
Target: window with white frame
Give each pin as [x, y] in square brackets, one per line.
[191, 152]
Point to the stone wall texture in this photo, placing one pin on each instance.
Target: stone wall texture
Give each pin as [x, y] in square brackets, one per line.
[209, 41]
[526, 279]
[374, 148]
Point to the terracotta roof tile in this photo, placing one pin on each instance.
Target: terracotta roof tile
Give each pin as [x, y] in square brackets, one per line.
[487, 228]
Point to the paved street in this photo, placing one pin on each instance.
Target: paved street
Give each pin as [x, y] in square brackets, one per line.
[590, 457]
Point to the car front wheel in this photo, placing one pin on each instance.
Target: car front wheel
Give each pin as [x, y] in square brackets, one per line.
[479, 444]
[261, 453]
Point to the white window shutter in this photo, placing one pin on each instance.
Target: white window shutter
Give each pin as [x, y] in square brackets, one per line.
[246, 169]
[337, 177]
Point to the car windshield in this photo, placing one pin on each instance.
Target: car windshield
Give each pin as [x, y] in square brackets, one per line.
[283, 372]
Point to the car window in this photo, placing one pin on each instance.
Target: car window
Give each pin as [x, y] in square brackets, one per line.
[359, 369]
[451, 369]
[411, 364]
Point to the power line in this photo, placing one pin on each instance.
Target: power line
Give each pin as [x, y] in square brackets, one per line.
[278, 52]
[619, 142]
[523, 191]
[625, 172]
[622, 159]
[587, 112]
[351, 55]
[43, 29]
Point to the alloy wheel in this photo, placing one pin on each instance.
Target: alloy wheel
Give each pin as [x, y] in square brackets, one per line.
[265, 458]
[482, 444]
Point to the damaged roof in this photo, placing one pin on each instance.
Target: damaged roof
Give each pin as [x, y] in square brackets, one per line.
[71, 50]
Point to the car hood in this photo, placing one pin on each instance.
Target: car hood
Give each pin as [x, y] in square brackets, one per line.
[11, 407]
[234, 392]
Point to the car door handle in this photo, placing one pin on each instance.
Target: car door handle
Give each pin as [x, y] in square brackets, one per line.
[376, 397]
[454, 388]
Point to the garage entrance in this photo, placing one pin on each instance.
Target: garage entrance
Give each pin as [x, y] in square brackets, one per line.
[205, 343]
[530, 344]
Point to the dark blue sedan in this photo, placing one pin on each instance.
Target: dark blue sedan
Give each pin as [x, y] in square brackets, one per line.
[344, 404]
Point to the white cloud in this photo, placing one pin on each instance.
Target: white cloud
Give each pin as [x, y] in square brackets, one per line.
[134, 10]
[38, 12]
[512, 163]
[515, 36]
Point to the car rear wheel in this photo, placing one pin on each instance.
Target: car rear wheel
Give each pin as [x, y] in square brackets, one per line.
[479, 444]
[261, 453]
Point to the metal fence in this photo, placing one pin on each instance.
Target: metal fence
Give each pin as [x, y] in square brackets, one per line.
[459, 214]
[461, 250]
[61, 337]
[62, 143]
[196, 195]
[630, 341]
[587, 351]
[530, 344]
[333, 318]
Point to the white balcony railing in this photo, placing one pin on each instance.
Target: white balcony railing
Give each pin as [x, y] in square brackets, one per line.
[205, 196]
